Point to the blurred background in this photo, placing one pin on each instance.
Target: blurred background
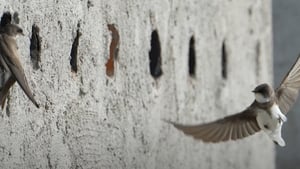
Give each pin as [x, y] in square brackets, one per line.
[286, 36]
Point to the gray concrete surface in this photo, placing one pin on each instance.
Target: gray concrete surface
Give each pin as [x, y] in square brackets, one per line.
[90, 120]
[286, 16]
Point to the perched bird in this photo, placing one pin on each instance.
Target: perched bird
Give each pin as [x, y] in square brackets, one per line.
[9, 59]
[266, 113]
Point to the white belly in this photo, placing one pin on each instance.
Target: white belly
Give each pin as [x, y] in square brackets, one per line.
[272, 123]
[266, 121]
[276, 113]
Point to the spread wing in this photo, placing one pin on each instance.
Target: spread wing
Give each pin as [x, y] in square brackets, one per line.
[288, 91]
[232, 127]
[8, 50]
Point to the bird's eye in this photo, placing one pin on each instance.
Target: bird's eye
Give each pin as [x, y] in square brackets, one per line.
[20, 31]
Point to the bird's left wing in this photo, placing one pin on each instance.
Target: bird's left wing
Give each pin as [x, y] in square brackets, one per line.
[232, 127]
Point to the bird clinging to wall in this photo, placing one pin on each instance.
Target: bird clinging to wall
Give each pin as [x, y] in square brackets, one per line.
[9, 59]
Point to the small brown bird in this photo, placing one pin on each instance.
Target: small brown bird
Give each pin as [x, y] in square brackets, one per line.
[266, 113]
[9, 59]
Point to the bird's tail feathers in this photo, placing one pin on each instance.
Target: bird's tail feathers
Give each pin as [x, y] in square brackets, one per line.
[279, 141]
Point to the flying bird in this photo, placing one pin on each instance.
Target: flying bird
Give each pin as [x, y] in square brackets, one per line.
[9, 60]
[266, 113]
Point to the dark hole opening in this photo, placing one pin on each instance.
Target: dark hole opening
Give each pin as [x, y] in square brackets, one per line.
[155, 56]
[257, 52]
[35, 47]
[74, 51]
[224, 60]
[6, 18]
[89, 4]
[192, 57]
[16, 17]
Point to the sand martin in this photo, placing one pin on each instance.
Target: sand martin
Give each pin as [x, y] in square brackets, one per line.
[266, 113]
[9, 59]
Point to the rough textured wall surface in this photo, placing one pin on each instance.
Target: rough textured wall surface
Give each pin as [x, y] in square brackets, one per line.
[107, 112]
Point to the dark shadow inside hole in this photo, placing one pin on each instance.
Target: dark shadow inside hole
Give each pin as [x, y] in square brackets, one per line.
[6, 18]
[89, 4]
[16, 18]
[257, 53]
[35, 47]
[224, 60]
[192, 57]
[257, 50]
[74, 51]
[155, 55]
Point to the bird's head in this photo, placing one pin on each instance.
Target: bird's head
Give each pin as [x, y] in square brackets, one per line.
[12, 30]
[263, 93]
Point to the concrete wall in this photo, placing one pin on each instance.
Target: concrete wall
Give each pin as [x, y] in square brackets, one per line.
[109, 114]
[286, 17]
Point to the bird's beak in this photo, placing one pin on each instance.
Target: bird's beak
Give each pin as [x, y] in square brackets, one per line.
[253, 91]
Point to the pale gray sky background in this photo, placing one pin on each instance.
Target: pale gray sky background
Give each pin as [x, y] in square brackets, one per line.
[286, 36]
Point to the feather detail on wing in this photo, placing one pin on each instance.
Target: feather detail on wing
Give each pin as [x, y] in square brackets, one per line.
[288, 91]
[5, 90]
[8, 49]
[232, 127]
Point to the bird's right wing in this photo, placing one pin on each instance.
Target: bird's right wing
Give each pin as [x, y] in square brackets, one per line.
[232, 127]
[288, 91]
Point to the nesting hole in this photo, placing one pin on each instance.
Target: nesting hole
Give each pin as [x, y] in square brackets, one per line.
[113, 50]
[74, 52]
[257, 57]
[60, 25]
[16, 18]
[192, 57]
[6, 18]
[35, 46]
[89, 4]
[8, 112]
[224, 60]
[155, 56]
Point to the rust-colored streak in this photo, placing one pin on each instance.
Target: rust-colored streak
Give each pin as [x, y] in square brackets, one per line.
[113, 50]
